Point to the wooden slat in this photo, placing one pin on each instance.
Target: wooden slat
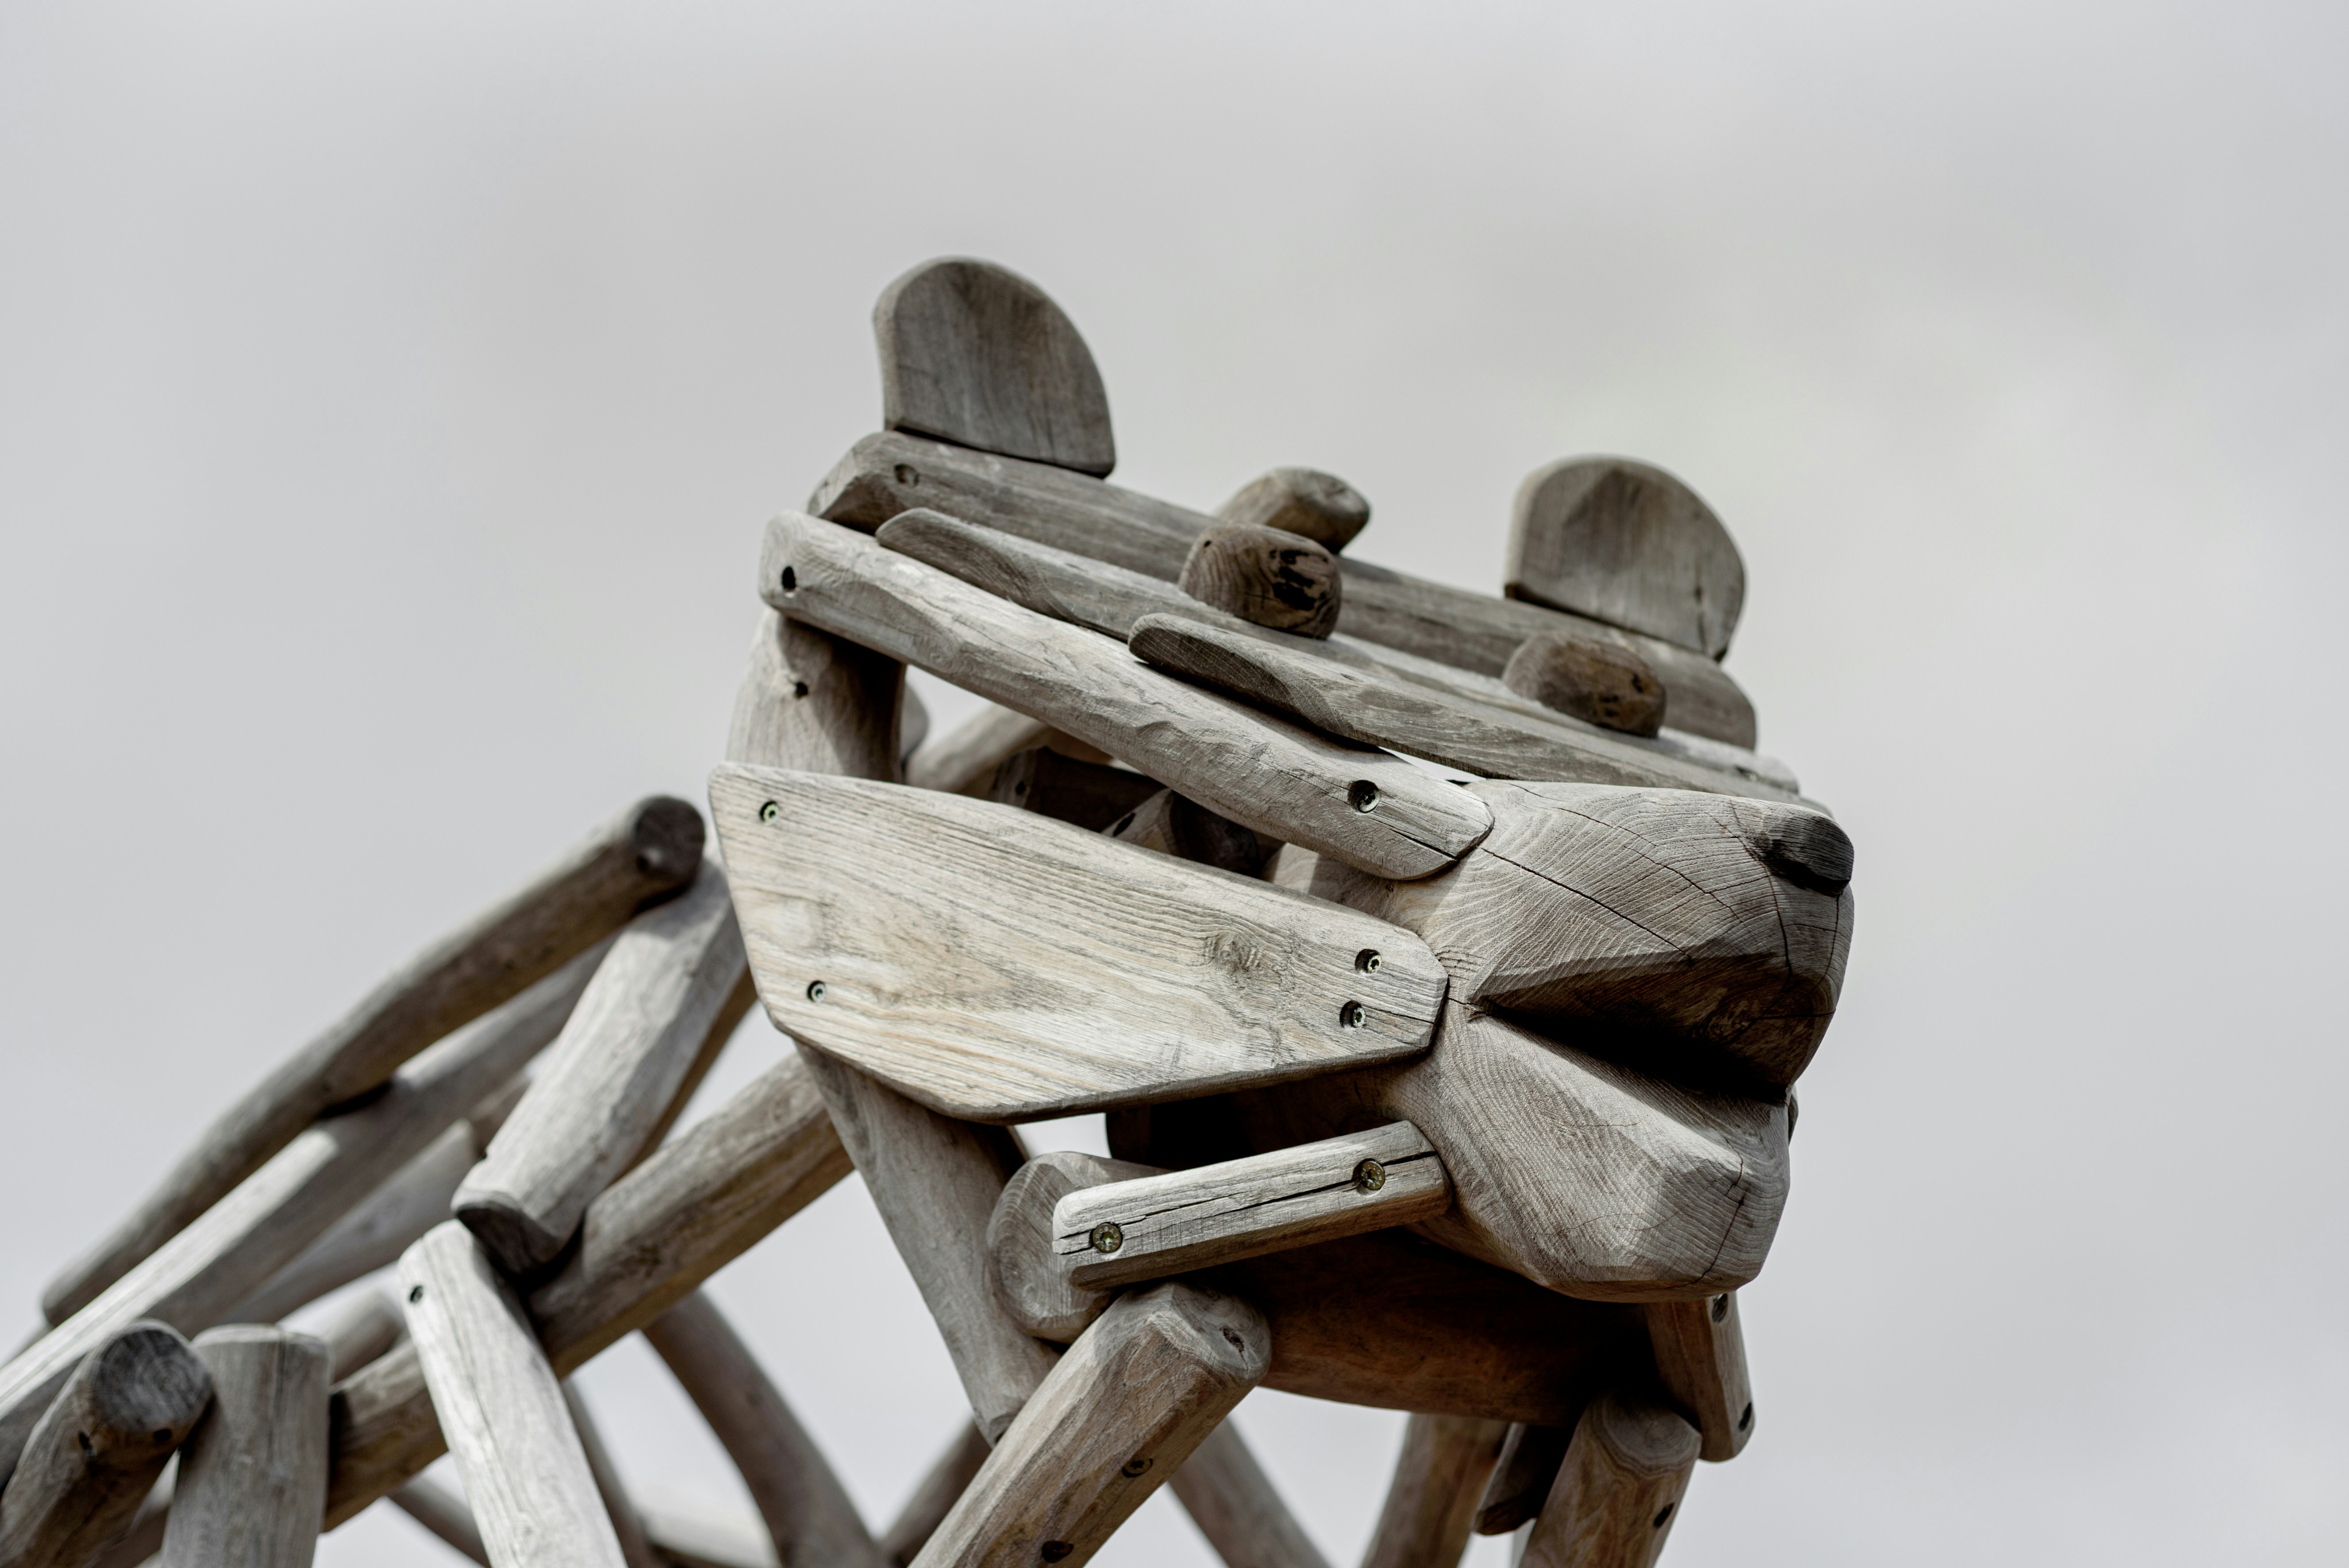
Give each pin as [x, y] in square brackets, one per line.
[1154, 1226]
[1000, 967]
[1432, 1502]
[1232, 1501]
[525, 1473]
[1117, 1416]
[1701, 1360]
[940, 1485]
[646, 853]
[1619, 1492]
[1627, 544]
[1363, 807]
[252, 1476]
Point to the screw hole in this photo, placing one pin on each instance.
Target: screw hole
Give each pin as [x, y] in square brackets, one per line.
[1745, 1417]
[799, 688]
[1233, 1338]
[1108, 1236]
[1053, 1550]
[1368, 961]
[769, 811]
[790, 581]
[1665, 1513]
[83, 1438]
[414, 1295]
[1117, 829]
[1350, 1015]
[162, 1434]
[1134, 1467]
[1364, 794]
[1720, 1308]
[907, 476]
[1369, 1176]
[815, 990]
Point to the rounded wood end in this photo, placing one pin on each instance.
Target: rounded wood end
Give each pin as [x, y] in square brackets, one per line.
[1317, 506]
[1284, 582]
[1601, 683]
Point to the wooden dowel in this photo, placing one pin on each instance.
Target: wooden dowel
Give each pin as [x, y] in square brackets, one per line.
[1154, 1226]
[938, 1488]
[97, 1451]
[498, 1403]
[367, 1325]
[636, 1547]
[1365, 807]
[1232, 1501]
[1118, 1415]
[807, 1511]
[637, 1030]
[1438, 1479]
[1023, 1274]
[1620, 1488]
[830, 705]
[1521, 1479]
[252, 1475]
[1701, 1360]
[646, 853]
[197, 1277]
[440, 1510]
[1323, 507]
[1265, 577]
[653, 1237]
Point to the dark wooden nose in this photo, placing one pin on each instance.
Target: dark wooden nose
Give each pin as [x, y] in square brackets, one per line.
[1804, 846]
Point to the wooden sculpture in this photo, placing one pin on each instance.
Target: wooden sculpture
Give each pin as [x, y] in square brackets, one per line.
[1443, 963]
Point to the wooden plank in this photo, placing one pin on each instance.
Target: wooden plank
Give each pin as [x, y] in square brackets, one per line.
[1627, 544]
[975, 354]
[1265, 577]
[646, 853]
[810, 695]
[628, 1526]
[939, 1486]
[526, 1475]
[1530, 1456]
[1323, 507]
[1619, 1490]
[252, 1475]
[885, 474]
[1363, 807]
[194, 1279]
[807, 1511]
[1701, 1360]
[653, 1237]
[1117, 1415]
[1154, 1226]
[97, 1451]
[637, 1030]
[1088, 795]
[1111, 599]
[1233, 1503]
[1000, 966]
[1431, 1502]
[1177, 825]
[445, 1514]
[1023, 1274]
[1605, 685]
[1707, 935]
[1379, 710]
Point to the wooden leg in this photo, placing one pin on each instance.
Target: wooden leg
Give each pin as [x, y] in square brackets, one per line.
[1529, 1460]
[944, 1484]
[253, 1476]
[626, 1523]
[1231, 1500]
[1701, 1356]
[1619, 1490]
[1439, 1479]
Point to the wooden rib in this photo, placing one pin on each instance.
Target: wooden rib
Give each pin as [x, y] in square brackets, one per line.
[1232, 1501]
[1272, 776]
[648, 853]
[1432, 1502]
[252, 1476]
[936, 1493]
[1700, 1359]
[1619, 1492]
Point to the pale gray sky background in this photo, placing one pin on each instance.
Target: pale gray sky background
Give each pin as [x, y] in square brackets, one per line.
[390, 398]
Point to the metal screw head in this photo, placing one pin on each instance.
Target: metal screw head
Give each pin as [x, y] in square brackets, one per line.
[1134, 1467]
[1369, 1176]
[1368, 961]
[1364, 794]
[1351, 1015]
[1108, 1237]
[769, 811]
[815, 990]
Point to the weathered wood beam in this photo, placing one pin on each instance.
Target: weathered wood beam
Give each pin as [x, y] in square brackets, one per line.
[1521, 1479]
[1701, 1360]
[1232, 1501]
[1023, 1274]
[1618, 1490]
[443, 1512]
[962, 760]
[646, 853]
[368, 1325]
[1601, 683]
[252, 1474]
[1432, 1502]
[1088, 795]
[832, 706]
[940, 1485]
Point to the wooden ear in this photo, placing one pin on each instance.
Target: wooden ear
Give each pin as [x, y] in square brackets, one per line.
[1628, 545]
[975, 354]
[1323, 507]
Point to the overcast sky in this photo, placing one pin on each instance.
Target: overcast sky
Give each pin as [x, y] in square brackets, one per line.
[390, 398]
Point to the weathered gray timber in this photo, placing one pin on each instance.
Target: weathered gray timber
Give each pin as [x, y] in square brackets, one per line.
[1432, 1502]
[445, 1514]
[962, 760]
[809, 695]
[1154, 1226]
[1118, 1415]
[807, 1512]
[1627, 544]
[1000, 967]
[885, 474]
[646, 853]
[1600, 682]
[1701, 1360]
[498, 1401]
[1323, 507]
[637, 1030]
[194, 1279]
[1232, 1501]
[1265, 577]
[1177, 825]
[942, 1483]
[95, 1452]
[367, 1325]
[1521, 1479]
[627, 1524]
[1618, 1490]
[252, 1475]
[1088, 795]
[1024, 1274]
[975, 354]
[1363, 807]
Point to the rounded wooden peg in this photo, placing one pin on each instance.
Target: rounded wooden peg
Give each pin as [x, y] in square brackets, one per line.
[1627, 544]
[1602, 682]
[1320, 507]
[1805, 847]
[1283, 580]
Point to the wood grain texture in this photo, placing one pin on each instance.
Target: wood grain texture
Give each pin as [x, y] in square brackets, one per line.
[1117, 1415]
[95, 1452]
[1702, 936]
[636, 1032]
[653, 1237]
[144, 1538]
[1323, 507]
[1265, 577]
[1177, 825]
[940, 1485]
[1618, 1490]
[525, 1473]
[1530, 1456]
[445, 1514]
[367, 1325]
[646, 853]
[1236, 1507]
[1088, 795]
[1601, 683]
[810, 695]
[1701, 1361]
[252, 1474]
[1000, 966]
[890, 473]
[1023, 1273]
[975, 354]
[627, 1525]
[1154, 1226]
[197, 1277]
[1627, 544]
[1362, 805]
[1439, 1477]
[808, 1514]
[936, 1181]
